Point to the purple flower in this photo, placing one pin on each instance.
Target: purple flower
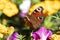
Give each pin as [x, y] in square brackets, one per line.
[14, 36]
[42, 34]
[23, 14]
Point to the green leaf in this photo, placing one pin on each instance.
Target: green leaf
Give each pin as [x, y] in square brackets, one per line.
[48, 23]
[52, 22]
[0, 12]
[35, 1]
[21, 37]
[18, 2]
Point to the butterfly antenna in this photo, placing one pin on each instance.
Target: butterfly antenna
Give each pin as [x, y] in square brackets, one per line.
[27, 18]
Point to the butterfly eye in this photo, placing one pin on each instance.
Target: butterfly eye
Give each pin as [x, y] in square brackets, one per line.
[40, 9]
[41, 18]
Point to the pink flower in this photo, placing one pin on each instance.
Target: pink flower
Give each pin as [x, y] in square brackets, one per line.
[23, 14]
[14, 36]
[42, 34]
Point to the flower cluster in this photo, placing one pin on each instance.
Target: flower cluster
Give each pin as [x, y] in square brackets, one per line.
[8, 8]
[5, 30]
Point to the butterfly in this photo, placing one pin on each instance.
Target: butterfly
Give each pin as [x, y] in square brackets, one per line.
[35, 19]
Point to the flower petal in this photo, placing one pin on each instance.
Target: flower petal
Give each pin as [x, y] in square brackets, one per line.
[42, 33]
[14, 36]
[23, 14]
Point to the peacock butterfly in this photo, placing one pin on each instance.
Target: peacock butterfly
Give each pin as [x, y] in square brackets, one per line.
[35, 19]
